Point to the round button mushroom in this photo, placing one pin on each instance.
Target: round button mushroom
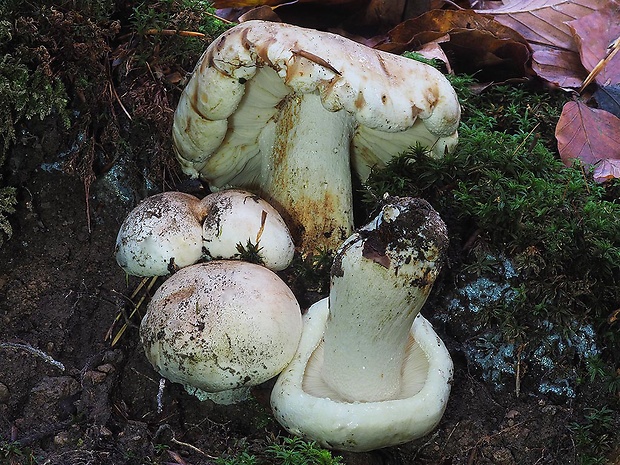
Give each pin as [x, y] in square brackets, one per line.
[163, 233]
[286, 110]
[220, 327]
[370, 372]
[239, 221]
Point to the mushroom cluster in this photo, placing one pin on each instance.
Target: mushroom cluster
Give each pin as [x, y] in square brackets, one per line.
[289, 112]
[286, 111]
[222, 326]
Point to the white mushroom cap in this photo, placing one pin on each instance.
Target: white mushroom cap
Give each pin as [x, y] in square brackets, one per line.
[220, 327]
[236, 217]
[243, 120]
[161, 233]
[304, 409]
[369, 372]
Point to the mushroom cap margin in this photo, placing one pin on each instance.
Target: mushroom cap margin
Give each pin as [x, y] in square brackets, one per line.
[362, 426]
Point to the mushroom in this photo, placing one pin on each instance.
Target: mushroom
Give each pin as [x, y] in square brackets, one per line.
[172, 230]
[162, 233]
[240, 221]
[370, 372]
[284, 111]
[220, 327]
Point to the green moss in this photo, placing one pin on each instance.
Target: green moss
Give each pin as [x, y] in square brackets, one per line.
[296, 451]
[105, 70]
[285, 451]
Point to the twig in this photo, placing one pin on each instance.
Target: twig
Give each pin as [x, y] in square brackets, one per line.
[118, 100]
[34, 351]
[173, 32]
[612, 49]
[525, 139]
[151, 283]
[189, 446]
[174, 440]
[219, 18]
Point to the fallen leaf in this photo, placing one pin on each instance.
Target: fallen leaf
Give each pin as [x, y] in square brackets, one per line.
[477, 44]
[560, 67]
[543, 22]
[607, 170]
[385, 12]
[593, 33]
[587, 134]
[263, 13]
[433, 50]
[255, 3]
[246, 3]
[485, 4]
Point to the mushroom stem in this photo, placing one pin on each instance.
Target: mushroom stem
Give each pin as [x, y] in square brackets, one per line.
[307, 175]
[380, 279]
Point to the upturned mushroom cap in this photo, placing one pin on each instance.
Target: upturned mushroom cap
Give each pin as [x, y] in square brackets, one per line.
[161, 233]
[302, 405]
[220, 327]
[241, 120]
[240, 218]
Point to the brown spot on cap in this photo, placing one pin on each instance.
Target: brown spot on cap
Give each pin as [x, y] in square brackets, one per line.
[374, 249]
[360, 101]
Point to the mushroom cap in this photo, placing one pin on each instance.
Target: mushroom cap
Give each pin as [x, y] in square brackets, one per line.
[236, 217]
[301, 401]
[247, 72]
[221, 325]
[163, 231]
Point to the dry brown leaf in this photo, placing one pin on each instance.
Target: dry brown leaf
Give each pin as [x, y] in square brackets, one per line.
[560, 67]
[274, 3]
[608, 99]
[385, 12]
[263, 13]
[590, 135]
[593, 33]
[543, 22]
[477, 44]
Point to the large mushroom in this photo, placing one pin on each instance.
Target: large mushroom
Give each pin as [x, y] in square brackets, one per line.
[285, 110]
[220, 327]
[370, 372]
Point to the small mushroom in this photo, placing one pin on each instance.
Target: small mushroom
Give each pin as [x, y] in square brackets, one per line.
[237, 220]
[163, 233]
[285, 111]
[220, 327]
[370, 372]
